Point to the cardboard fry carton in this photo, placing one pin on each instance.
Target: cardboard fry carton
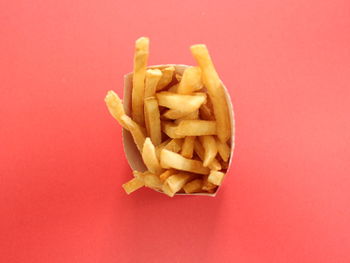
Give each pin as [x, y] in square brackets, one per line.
[132, 153]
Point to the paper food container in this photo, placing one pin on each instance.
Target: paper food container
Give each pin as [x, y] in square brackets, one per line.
[133, 155]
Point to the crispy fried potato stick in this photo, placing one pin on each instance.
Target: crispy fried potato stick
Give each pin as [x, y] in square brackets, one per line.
[167, 77]
[152, 120]
[169, 159]
[149, 157]
[215, 90]
[190, 81]
[115, 107]
[152, 78]
[138, 81]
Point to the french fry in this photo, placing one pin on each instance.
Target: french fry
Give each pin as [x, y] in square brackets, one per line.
[194, 186]
[149, 157]
[174, 88]
[215, 177]
[175, 114]
[191, 81]
[177, 181]
[223, 149]
[174, 145]
[166, 190]
[169, 159]
[210, 150]
[152, 78]
[215, 165]
[206, 113]
[190, 116]
[152, 181]
[115, 107]
[152, 120]
[133, 185]
[186, 103]
[138, 90]
[140, 175]
[178, 77]
[160, 147]
[170, 129]
[195, 128]
[166, 174]
[208, 186]
[187, 147]
[135, 130]
[215, 90]
[199, 150]
[167, 77]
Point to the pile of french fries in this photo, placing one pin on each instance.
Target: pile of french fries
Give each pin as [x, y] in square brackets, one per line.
[180, 124]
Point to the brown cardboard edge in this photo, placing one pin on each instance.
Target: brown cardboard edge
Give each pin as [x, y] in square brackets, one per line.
[133, 156]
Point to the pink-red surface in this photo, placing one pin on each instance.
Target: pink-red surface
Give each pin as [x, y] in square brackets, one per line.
[286, 198]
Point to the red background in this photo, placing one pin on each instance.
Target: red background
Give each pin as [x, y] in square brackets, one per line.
[286, 199]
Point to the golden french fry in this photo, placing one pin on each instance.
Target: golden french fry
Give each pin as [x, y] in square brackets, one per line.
[195, 128]
[140, 175]
[215, 90]
[152, 78]
[215, 177]
[135, 130]
[152, 181]
[175, 114]
[133, 185]
[177, 181]
[191, 81]
[174, 145]
[160, 147]
[166, 174]
[215, 165]
[152, 120]
[190, 116]
[169, 159]
[186, 103]
[194, 186]
[198, 148]
[208, 186]
[174, 88]
[166, 190]
[206, 113]
[223, 149]
[149, 157]
[187, 147]
[115, 107]
[178, 77]
[169, 129]
[167, 77]
[138, 81]
[210, 150]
